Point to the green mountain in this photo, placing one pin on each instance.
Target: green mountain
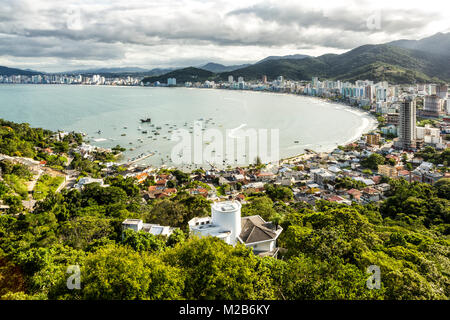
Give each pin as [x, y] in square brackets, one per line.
[5, 71]
[372, 62]
[403, 61]
[189, 74]
[436, 44]
[291, 56]
[217, 67]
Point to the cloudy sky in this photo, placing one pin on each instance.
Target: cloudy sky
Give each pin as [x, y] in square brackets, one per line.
[56, 36]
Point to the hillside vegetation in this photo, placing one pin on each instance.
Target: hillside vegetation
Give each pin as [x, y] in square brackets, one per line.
[369, 62]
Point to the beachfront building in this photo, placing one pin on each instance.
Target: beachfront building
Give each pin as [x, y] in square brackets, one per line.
[433, 106]
[227, 224]
[407, 124]
[429, 135]
[171, 82]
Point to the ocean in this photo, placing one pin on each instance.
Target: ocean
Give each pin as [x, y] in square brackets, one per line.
[110, 115]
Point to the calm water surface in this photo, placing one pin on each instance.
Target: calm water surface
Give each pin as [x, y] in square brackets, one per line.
[315, 124]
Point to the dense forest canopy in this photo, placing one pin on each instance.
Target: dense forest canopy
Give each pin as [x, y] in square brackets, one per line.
[325, 249]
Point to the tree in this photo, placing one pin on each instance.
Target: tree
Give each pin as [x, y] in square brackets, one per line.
[79, 232]
[216, 270]
[372, 161]
[308, 278]
[11, 277]
[443, 188]
[262, 206]
[409, 166]
[176, 237]
[278, 193]
[181, 176]
[120, 273]
[14, 203]
[142, 241]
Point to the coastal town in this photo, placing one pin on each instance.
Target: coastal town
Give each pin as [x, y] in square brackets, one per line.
[222, 158]
[411, 142]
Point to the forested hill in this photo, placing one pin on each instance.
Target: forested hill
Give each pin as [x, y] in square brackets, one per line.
[371, 62]
[438, 43]
[325, 248]
[189, 74]
[5, 71]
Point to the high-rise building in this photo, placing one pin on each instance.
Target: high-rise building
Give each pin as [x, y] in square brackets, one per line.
[442, 91]
[264, 79]
[407, 124]
[432, 105]
[171, 82]
[230, 79]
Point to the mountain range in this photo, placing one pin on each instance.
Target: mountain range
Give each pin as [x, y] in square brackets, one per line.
[289, 57]
[121, 71]
[5, 71]
[401, 61]
[436, 44]
[217, 67]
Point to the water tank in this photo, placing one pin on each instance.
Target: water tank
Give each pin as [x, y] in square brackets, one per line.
[227, 214]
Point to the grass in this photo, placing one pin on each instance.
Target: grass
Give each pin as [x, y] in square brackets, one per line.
[46, 185]
[17, 184]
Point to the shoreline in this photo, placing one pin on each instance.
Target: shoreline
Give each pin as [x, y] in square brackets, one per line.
[372, 125]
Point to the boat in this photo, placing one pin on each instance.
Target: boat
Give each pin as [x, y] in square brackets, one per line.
[146, 120]
[296, 141]
[123, 134]
[144, 131]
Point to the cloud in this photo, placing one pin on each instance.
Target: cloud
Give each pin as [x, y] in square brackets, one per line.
[163, 32]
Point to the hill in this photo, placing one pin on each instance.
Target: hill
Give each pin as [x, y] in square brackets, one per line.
[5, 71]
[381, 62]
[291, 56]
[125, 71]
[436, 44]
[107, 70]
[217, 67]
[372, 62]
[189, 74]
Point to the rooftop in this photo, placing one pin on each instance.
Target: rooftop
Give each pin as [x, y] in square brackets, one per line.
[255, 229]
[131, 221]
[226, 206]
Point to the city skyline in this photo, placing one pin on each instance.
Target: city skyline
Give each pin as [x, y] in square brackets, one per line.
[52, 37]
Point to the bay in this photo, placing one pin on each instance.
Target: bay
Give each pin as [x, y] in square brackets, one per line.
[314, 123]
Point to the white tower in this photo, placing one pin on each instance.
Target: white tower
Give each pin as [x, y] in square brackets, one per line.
[227, 214]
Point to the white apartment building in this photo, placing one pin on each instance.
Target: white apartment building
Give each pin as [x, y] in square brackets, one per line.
[429, 135]
[227, 224]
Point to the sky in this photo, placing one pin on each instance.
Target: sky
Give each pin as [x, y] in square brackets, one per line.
[56, 36]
